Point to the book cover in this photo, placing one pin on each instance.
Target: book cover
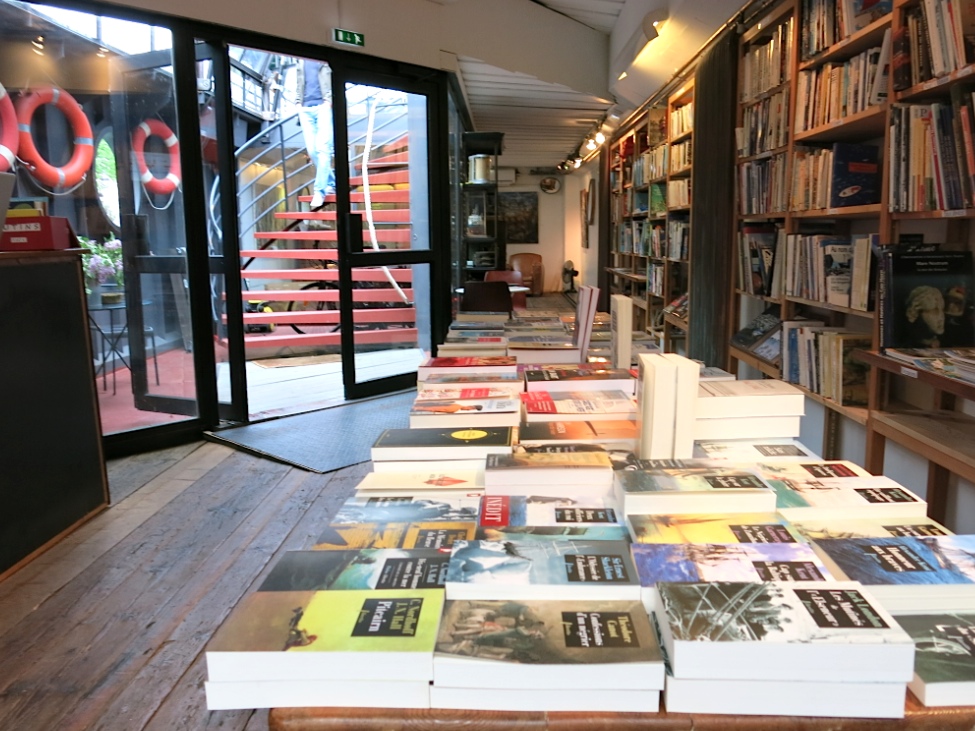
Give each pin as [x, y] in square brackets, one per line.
[541, 569]
[366, 568]
[742, 562]
[464, 394]
[577, 405]
[759, 397]
[616, 431]
[430, 508]
[419, 444]
[754, 331]
[468, 362]
[712, 528]
[926, 299]
[474, 412]
[867, 527]
[394, 535]
[436, 479]
[320, 635]
[692, 490]
[855, 175]
[484, 380]
[769, 630]
[746, 450]
[545, 644]
[502, 511]
[944, 659]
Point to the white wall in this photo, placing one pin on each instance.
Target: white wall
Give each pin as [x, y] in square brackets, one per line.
[551, 208]
[517, 35]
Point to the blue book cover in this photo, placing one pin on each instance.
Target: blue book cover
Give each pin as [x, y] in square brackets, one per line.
[855, 175]
[904, 560]
[366, 568]
[747, 562]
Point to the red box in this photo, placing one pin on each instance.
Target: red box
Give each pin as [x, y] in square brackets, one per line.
[37, 233]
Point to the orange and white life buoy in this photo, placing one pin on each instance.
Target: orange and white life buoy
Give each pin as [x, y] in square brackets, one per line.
[84, 147]
[8, 131]
[144, 131]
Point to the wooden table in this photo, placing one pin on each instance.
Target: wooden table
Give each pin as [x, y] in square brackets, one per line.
[918, 718]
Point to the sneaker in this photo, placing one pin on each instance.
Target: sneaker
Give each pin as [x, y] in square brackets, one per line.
[317, 200]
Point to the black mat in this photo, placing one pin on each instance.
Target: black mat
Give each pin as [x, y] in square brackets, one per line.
[325, 440]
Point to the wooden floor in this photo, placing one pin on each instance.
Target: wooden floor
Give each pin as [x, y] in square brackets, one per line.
[106, 631]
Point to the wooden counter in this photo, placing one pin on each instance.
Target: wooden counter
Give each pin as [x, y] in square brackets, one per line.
[918, 718]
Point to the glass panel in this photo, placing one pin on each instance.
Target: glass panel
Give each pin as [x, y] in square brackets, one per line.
[138, 303]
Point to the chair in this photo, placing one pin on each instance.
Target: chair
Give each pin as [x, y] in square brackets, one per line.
[532, 271]
[518, 299]
[486, 297]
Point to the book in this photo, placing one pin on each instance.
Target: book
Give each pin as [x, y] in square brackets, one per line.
[386, 634]
[925, 299]
[747, 427]
[517, 570]
[766, 397]
[712, 528]
[577, 406]
[868, 527]
[445, 444]
[823, 631]
[713, 373]
[692, 490]
[907, 572]
[412, 508]
[545, 518]
[756, 329]
[536, 700]
[685, 401]
[547, 645]
[464, 365]
[746, 450]
[656, 406]
[304, 693]
[580, 379]
[819, 698]
[436, 479]
[364, 568]
[550, 474]
[466, 394]
[622, 433]
[733, 562]
[511, 381]
[473, 412]
[344, 536]
[855, 175]
[944, 657]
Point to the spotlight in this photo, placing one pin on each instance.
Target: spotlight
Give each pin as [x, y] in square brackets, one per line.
[600, 138]
[578, 163]
[38, 45]
[621, 76]
[590, 144]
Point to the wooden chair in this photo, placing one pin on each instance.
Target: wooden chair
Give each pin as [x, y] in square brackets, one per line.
[532, 271]
[518, 299]
[486, 297]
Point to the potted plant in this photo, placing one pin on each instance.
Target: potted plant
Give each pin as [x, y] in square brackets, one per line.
[103, 269]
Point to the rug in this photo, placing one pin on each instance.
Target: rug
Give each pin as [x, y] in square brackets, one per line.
[325, 440]
[298, 360]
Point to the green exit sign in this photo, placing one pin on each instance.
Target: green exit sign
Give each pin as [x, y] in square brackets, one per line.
[347, 36]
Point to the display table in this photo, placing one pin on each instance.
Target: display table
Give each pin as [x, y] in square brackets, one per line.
[918, 718]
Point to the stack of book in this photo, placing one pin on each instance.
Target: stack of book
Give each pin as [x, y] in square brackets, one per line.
[748, 410]
[577, 406]
[666, 395]
[532, 347]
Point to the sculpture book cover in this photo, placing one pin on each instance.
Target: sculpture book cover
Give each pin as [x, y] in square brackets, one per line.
[366, 568]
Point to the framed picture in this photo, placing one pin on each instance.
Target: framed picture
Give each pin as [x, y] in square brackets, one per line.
[584, 216]
[520, 214]
[591, 202]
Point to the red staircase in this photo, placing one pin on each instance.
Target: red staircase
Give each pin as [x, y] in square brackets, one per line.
[292, 280]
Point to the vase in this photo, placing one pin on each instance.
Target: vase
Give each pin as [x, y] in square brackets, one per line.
[111, 293]
[94, 293]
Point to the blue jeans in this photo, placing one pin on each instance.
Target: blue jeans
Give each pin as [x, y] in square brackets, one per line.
[316, 125]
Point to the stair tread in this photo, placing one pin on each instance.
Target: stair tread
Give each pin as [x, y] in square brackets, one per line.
[394, 235]
[361, 337]
[360, 274]
[331, 316]
[377, 294]
[385, 215]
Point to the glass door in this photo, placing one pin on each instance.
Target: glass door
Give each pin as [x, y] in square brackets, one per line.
[387, 236]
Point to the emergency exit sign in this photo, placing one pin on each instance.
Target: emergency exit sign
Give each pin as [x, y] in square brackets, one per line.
[347, 36]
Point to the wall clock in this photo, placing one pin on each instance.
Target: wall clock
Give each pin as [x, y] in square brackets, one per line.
[550, 184]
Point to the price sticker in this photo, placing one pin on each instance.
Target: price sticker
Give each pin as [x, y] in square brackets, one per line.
[909, 372]
[955, 213]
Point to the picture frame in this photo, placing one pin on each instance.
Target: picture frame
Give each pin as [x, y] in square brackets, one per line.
[519, 212]
[591, 201]
[584, 217]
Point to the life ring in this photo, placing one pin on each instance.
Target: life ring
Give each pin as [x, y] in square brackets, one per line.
[8, 132]
[84, 147]
[144, 131]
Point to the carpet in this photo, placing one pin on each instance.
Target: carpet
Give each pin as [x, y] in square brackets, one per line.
[325, 440]
[299, 360]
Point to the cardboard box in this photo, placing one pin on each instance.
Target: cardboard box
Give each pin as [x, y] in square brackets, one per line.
[37, 233]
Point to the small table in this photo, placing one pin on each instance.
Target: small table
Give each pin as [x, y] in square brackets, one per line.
[110, 339]
[513, 288]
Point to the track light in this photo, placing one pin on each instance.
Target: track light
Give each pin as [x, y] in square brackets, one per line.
[591, 144]
[38, 45]
[600, 138]
[578, 163]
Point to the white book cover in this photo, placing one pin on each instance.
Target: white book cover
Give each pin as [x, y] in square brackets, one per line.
[686, 392]
[440, 476]
[621, 329]
[800, 499]
[656, 406]
[745, 450]
[747, 427]
[765, 397]
[536, 700]
[305, 693]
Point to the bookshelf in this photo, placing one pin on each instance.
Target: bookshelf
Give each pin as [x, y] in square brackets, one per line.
[676, 264]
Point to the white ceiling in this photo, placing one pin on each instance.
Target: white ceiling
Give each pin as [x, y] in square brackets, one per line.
[545, 123]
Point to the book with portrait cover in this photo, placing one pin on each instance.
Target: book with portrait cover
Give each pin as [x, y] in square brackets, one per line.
[820, 631]
[908, 572]
[386, 634]
[364, 568]
[568, 569]
[712, 528]
[926, 299]
[547, 644]
[944, 657]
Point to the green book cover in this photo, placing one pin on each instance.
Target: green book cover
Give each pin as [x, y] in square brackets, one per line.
[366, 568]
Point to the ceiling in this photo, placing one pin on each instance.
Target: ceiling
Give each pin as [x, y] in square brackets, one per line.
[545, 124]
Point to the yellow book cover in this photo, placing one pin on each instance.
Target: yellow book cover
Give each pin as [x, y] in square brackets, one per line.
[395, 535]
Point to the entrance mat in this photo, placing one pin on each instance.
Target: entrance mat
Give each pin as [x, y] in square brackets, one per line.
[325, 440]
[298, 360]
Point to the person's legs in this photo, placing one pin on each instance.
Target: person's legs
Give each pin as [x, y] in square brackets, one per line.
[308, 118]
[324, 174]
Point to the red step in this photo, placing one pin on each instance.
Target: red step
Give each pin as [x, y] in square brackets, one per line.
[383, 235]
[331, 317]
[391, 177]
[372, 294]
[359, 274]
[383, 215]
[330, 254]
[394, 159]
[377, 196]
[361, 337]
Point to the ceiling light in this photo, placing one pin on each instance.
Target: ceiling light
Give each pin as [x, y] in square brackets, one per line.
[621, 76]
[590, 144]
[578, 163]
[102, 52]
[600, 138]
[38, 44]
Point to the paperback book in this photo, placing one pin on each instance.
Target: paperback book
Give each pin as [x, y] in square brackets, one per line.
[507, 381]
[579, 379]
[544, 518]
[465, 364]
[466, 394]
[802, 499]
[577, 406]
[568, 569]
[436, 479]
[365, 568]
[547, 645]
[386, 634]
[944, 658]
[442, 444]
[415, 508]
[692, 490]
[475, 412]
[753, 450]
[394, 535]
[767, 397]
[712, 528]
[622, 433]
[820, 631]
[548, 473]
[875, 527]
